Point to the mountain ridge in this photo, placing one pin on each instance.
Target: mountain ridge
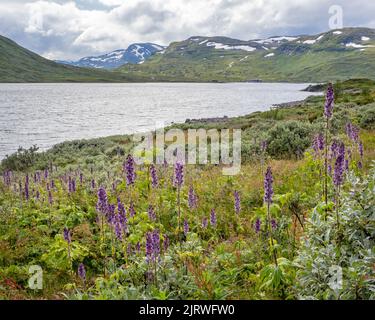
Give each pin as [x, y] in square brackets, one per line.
[327, 56]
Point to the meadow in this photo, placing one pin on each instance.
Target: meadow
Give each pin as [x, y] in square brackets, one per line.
[301, 210]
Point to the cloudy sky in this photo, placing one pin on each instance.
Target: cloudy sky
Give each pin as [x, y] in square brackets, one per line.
[63, 29]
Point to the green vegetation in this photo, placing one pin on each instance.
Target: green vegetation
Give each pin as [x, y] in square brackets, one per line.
[18, 64]
[64, 223]
[325, 60]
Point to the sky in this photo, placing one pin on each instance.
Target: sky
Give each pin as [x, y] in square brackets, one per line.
[63, 29]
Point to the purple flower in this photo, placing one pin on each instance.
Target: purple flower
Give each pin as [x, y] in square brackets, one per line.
[192, 198]
[346, 165]
[186, 227]
[257, 225]
[82, 272]
[102, 204]
[268, 190]
[154, 176]
[93, 184]
[318, 143]
[130, 170]
[237, 202]
[359, 164]
[213, 218]
[263, 146]
[149, 247]
[360, 149]
[178, 174]
[151, 213]
[67, 236]
[352, 132]
[81, 178]
[118, 227]
[328, 107]
[152, 246]
[45, 174]
[53, 184]
[27, 188]
[339, 166]
[273, 224]
[122, 214]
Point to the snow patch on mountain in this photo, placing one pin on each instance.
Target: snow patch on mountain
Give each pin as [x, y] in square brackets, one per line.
[217, 45]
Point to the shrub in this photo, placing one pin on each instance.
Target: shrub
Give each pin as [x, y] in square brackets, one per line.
[368, 118]
[289, 139]
[348, 250]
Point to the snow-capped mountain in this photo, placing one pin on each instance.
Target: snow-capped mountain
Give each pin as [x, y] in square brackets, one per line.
[135, 54]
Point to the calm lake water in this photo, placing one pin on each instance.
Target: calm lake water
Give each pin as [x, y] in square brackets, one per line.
[46, 114]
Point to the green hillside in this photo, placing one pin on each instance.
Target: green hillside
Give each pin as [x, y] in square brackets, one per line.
[18, 64]
[334, 55]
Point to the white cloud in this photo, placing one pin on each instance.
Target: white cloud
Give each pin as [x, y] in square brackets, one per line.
[70, 29]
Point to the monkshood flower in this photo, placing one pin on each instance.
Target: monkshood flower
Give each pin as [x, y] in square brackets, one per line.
[359, 164]
[102, 204]
[122, 214]
[37, 196]
[334, 148]
[257, 225]
[151, 213]
[186, 227]
[263, 146]
[154, 176]
[53, 184]
[82, 272]
[149, 247]
[27, 193]
[92, 184]
[118, 227]
[192, 199]
[318, 143]
[110, 214]
[268, 190]
[130, 170]
[67, 235]
[237, 202]
[204, 223]
[156, 243]
[328, 107]
[360, 149]
[45, 174]
[352, 132]
[178, 174]
[81, 178]
[213, 219]
[339, 166]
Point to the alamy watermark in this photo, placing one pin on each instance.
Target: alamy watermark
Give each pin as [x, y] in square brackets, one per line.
[336, 20]
[191, 146]
[36, 277]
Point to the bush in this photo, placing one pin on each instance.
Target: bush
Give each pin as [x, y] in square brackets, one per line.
[22, 160]
[289, 139]
[368, 118]
[348, 250]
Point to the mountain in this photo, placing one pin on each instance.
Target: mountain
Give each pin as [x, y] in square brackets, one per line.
[332, 55]
[18, 64]
[135, 54]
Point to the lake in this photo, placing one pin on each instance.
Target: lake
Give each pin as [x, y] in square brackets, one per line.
[46, 114]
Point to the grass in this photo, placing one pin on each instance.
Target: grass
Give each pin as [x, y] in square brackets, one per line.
[229, 260]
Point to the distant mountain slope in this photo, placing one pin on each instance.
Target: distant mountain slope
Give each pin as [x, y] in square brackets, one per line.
[134, 54]
[18, 64]
[333, 55]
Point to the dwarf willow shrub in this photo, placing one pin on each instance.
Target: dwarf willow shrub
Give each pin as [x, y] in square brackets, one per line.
[289, 139]
[367, 118]
[349, 249]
